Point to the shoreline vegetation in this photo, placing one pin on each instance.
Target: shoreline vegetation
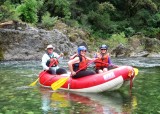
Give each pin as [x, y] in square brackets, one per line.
[129, 31]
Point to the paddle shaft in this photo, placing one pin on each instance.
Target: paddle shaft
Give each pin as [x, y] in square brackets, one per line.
[105, 63]
[85, 66]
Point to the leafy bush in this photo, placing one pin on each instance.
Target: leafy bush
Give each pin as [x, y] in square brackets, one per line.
[28, 11]
[100, 34]
[8, 12]
[129, 31]
[48, 21]
[62, 7]
[100, 21]
[151, 32]
[116, 39]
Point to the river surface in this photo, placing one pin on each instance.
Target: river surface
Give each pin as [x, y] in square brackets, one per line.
[16, 97]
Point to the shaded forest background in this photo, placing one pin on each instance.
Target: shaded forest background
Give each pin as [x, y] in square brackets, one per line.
[101, 18]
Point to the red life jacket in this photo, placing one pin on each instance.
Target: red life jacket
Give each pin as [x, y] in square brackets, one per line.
[82, 64]
[52, 62]
[102, 62]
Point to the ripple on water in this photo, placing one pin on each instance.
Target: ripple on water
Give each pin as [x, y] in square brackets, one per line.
[137, 62]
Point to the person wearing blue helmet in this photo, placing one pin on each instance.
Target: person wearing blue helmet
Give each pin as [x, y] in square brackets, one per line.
[78, 64]
[103, 61]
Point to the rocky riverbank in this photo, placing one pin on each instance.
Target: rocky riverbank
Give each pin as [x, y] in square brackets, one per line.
[19, 41]
[29, 43]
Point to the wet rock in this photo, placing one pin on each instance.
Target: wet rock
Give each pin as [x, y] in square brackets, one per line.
[121, 51]
[154, 55]
[140, 54]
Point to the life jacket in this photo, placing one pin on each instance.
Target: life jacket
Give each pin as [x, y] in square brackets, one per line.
[82, 64]
[52, 62]
[102, 62]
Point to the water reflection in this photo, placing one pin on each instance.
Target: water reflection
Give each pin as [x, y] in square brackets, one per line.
[17, 98]
[85, 103]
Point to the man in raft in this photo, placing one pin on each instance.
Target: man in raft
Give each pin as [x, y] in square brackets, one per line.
[78, 64]
[50, 61]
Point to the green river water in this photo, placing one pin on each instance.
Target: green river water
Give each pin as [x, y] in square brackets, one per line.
[16, 97]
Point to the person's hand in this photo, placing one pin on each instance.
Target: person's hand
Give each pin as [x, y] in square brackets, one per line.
[52, 60]
[73, 73]
[94, 59]
[50, 69]
[47, 68]
[98, 56]
[61, 54]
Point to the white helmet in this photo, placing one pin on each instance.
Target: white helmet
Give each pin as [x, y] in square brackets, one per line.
[49, 46]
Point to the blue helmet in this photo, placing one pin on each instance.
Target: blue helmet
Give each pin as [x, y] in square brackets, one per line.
[104, 47]
[81, 48]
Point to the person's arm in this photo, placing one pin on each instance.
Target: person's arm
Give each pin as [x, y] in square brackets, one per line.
[91, 59]
[109, 61]
[59, 57]
[44, 61]
[70, 65]
[73, 56]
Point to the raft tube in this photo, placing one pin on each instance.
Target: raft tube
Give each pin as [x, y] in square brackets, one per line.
[107, 81]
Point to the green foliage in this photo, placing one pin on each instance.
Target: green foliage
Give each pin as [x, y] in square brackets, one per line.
[155, 20]
[48, 21]
[28, 11]
[62, 8]
[141, 19]
[99, 21]
[129, 31]
[151, 32]
[100, 34]
[7, 12]
[106, 6]
[99, 17]
[116, 39]
[1, 54]
[72, 23]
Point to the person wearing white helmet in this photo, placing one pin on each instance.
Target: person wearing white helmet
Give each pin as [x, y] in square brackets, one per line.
[50, 61]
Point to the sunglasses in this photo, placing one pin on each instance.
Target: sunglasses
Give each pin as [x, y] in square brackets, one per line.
[83, 50]
[103, 49]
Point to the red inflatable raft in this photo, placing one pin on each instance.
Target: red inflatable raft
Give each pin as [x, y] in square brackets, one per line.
[111, 80]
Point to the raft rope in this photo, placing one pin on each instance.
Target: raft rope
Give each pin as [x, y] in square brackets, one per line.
[131, 75]
[49, 79]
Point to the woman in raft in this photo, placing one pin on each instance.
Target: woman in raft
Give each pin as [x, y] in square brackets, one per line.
[103, 62]
[78, 64]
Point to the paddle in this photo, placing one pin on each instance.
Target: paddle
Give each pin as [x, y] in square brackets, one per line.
[34, 83]
[56, 85]
[136, 71]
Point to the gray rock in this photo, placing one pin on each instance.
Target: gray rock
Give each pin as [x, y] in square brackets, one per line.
[31, 43]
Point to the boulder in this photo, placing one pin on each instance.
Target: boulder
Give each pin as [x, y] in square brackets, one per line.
[30, 43]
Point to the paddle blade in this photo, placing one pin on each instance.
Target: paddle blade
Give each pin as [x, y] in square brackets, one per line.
[136, 71]
[56, 85]
[34, 83]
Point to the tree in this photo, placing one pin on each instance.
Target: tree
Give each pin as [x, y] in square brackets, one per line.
[8, 11]
[28, 11]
